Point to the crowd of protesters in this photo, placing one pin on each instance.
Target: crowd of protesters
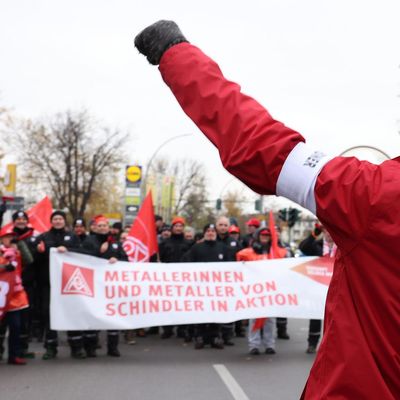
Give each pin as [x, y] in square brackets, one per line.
[28, 316]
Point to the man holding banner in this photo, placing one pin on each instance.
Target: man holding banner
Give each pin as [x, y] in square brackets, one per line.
[104, 245]
[355, 200]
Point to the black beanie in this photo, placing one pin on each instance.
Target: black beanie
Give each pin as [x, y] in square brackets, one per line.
[20, 214]
[60, 213]
[117, 225]
[209, 226]
[79, 221]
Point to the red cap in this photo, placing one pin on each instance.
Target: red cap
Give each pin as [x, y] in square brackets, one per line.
[234, 229]
[7, 231]
[265, 231]
[253, 222]
[100, 218]
[178, 220]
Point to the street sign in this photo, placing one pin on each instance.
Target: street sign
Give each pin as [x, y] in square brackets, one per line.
[131, 210]
[132, 192]
[133, 174]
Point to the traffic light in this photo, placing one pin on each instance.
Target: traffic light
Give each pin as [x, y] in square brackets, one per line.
[294, 216]
[283, 214]
[257, 205]
[218, 205]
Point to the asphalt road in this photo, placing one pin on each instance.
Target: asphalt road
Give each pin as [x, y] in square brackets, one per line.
[165, 369]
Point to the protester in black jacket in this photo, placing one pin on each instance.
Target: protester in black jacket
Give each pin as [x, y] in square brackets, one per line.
[171, 251]
[233, 247]
[79, 227]
[104, 245]
[62, 239]
[312, 245]
[209, 250]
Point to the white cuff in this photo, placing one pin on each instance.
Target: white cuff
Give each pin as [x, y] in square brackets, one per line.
[299, 175]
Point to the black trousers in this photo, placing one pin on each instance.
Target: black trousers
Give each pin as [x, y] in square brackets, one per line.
[12, 320]
[314, 332]
[75, 338]
[90, 339]
[208, 332]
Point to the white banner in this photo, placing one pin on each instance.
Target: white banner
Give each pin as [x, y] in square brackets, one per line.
[90, 293]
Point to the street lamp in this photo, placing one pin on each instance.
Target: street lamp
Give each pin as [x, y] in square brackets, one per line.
[148, 165]
[368, 153]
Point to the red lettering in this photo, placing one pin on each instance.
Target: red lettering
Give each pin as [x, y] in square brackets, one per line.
[293, 301]
[110, 310]
[111, 276]
[198, 305]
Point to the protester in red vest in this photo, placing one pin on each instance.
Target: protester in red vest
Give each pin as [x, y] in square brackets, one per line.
[261, 250]
[24, 238]
[19, 300]
[357, 202]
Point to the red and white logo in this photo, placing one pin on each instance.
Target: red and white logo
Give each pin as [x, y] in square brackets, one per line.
[77, 280]
[136, 250]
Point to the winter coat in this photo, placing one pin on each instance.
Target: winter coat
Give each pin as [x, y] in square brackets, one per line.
[172, 249]
[52, 239]
[92, 245]
[207, 251]
[356, 201]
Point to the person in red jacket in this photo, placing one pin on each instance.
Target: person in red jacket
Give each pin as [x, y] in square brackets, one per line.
[10, 261]
[356, 201]
[261, 250]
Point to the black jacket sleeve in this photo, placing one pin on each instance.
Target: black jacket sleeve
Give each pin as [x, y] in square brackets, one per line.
[311, 247]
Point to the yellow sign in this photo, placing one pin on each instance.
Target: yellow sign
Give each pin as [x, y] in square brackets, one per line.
[133, 173]
[10, 180]
[113, 215]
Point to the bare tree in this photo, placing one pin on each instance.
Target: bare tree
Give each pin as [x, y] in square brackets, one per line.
[67, 156]
[191, 196]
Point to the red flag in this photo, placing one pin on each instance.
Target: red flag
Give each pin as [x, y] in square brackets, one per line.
[141, 242]
[258, 324]
[274, 252]
[39, 216]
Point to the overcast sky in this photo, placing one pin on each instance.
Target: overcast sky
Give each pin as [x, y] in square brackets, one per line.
[329, 69]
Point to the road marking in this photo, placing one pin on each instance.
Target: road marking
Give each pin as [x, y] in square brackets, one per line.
[230, 382]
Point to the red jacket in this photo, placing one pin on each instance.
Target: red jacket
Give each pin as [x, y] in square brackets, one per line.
[358, 202]
[18, 299]
[248, 254]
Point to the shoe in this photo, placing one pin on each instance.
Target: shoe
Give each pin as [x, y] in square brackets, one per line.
[91, 353]
[17, 361]
[187, 339]
[311, 349]
[217, 344]
[283, 335]
[153, 330]
[113, 352]
[28, 354]
[270, 350]
[199, 343]
[49, 354]
[228, 343]
[254, 352]
[78, 354]
[129, 338]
